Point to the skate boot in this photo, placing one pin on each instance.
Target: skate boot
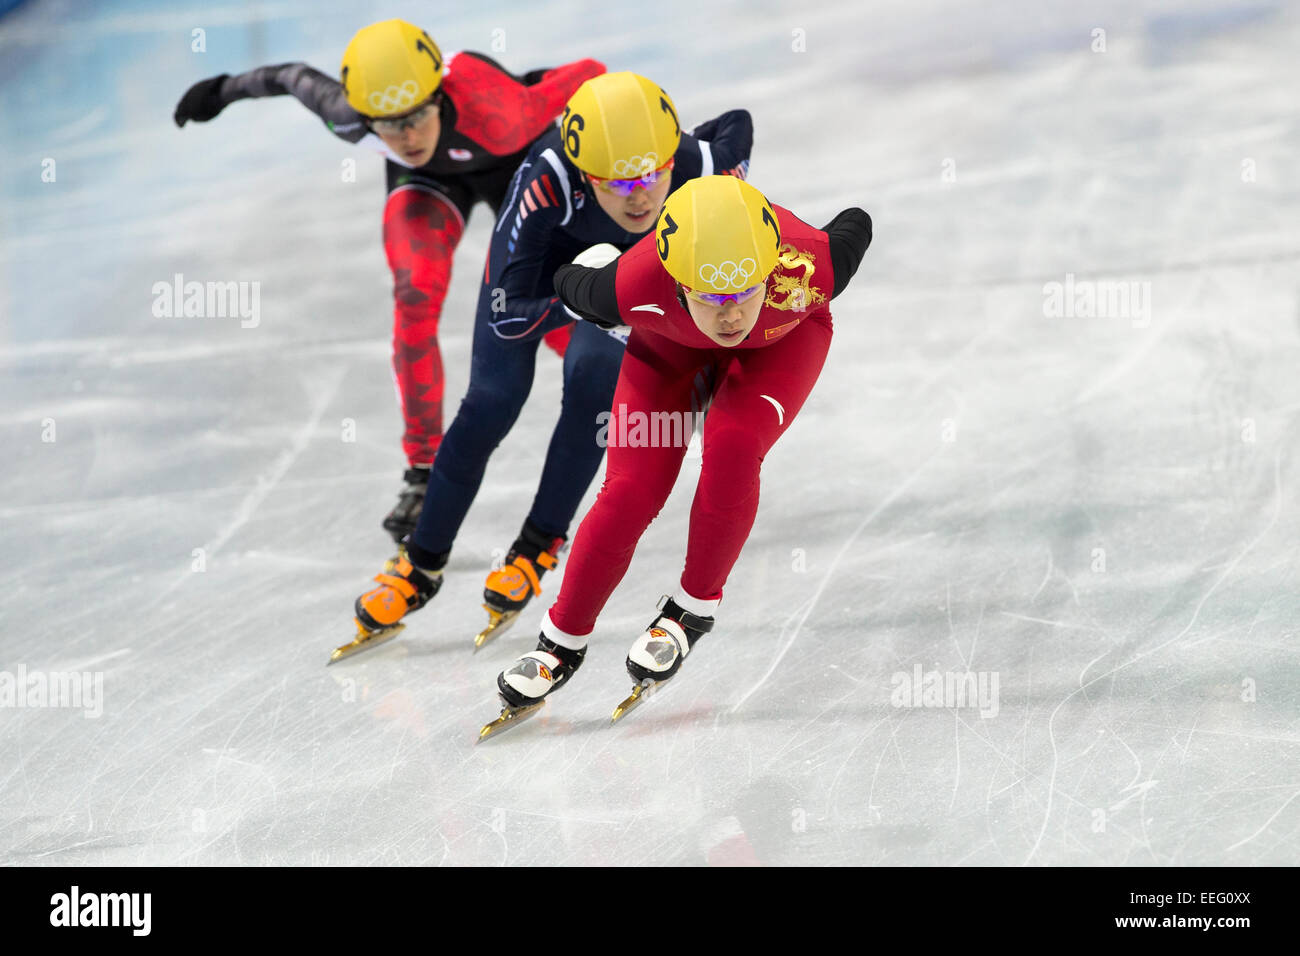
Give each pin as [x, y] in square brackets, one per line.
[518, 581]
[403, 588]
[525, 684]
[402, 520]
[658, 653]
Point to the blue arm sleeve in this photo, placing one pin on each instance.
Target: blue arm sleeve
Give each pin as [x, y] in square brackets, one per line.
[517, 265]
[731, 139]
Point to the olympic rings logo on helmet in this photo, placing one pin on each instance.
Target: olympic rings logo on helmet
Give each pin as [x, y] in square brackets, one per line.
[727, 274]
[395, 97]
[635, 166]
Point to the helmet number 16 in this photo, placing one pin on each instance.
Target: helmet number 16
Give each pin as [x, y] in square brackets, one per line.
[571, 125]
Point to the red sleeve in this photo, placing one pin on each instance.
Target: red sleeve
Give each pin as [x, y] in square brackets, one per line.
[503, 115]
[646, 292]
[547, 97]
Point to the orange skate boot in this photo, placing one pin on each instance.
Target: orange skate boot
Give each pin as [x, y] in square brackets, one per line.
[510, 587]
[403, 588]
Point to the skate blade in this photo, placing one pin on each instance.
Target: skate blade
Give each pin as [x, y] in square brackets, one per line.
[365, 639]
[510, 717]
[498, 622]
[640, 693]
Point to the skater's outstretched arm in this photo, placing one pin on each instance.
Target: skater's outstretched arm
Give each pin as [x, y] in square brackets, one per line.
[590, 294]
[321, 94]
[849, 234]
[505, 113]
[545, 93]
[521, 245]
[728, 140]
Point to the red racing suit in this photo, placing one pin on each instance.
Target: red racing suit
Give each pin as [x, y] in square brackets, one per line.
[760, 385]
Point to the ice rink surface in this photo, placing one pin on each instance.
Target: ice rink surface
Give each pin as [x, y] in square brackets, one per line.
[1093, 515]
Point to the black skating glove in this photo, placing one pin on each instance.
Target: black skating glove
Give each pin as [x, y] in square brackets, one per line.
[202, 101]
[586, 288]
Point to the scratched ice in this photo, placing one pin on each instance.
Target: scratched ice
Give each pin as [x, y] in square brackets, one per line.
[1091, 513]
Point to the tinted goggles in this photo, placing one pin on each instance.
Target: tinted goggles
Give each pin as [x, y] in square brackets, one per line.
[625, 187]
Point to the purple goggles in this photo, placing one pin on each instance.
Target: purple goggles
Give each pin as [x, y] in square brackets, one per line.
[625, 187]
[722, 298]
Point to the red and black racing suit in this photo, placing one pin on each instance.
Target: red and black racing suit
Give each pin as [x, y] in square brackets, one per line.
[490, 119]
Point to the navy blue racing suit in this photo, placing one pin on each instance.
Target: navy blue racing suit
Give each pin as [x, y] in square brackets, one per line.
[550, 215]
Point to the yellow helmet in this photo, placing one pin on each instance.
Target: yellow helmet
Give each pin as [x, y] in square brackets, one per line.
[620, 126]
[718, 234]
[390, 67]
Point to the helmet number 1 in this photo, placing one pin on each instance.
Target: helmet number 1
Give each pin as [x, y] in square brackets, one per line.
[769, 220]
[669, 228]
[668, 108]
[571, 125]
[423, 47]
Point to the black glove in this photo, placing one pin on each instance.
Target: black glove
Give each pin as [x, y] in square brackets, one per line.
[201, 102]
[589, 294]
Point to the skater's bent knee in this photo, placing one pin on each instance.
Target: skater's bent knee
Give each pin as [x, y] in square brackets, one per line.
[636, 500]
[490, 405]
[591, 382]
[736, 447]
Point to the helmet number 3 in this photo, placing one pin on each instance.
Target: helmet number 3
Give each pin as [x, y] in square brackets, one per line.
[669, 228]
[571, 124]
